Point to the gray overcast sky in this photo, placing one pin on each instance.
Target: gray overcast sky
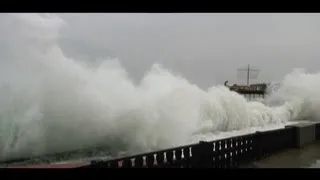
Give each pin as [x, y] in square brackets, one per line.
[205, 48]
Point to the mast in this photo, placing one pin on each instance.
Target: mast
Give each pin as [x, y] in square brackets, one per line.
[248, 75]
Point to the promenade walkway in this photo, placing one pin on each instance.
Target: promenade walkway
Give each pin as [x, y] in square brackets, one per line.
[306, 157]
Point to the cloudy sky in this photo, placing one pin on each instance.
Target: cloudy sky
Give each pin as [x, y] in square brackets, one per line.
[205, 48]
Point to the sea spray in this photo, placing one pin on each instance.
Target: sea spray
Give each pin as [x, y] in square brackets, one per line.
[51, 103]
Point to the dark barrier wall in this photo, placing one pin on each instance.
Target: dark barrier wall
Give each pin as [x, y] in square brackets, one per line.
[317, 133]
[224, 153]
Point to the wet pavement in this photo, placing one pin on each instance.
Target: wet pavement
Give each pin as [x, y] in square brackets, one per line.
[307, 157]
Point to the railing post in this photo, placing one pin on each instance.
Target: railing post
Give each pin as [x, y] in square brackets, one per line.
[202, 155]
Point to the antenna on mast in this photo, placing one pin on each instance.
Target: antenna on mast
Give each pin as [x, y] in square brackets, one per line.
[250, 73]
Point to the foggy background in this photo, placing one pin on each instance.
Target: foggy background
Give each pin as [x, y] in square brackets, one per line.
[205, 48]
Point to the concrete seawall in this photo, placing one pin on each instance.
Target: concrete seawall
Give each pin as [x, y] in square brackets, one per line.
[305, 133]
[304, 152]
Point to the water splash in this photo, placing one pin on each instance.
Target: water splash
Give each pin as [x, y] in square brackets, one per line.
[50, 103]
